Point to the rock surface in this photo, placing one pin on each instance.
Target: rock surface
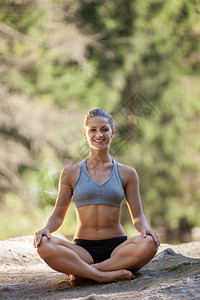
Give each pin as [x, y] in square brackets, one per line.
[173, 274]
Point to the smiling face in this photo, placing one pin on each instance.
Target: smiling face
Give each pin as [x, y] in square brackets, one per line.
[98, 132]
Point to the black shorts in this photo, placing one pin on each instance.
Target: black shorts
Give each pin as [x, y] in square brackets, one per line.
[100, 250]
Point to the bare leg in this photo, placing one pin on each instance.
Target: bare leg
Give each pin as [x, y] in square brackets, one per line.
[68, 258]
[132, 254]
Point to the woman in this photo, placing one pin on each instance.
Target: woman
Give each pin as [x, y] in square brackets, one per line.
[98, 184]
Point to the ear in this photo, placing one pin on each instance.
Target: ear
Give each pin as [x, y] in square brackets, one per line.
[84, 132]
[113, 132]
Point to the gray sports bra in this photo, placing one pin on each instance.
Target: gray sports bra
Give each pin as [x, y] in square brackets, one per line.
[87, 191]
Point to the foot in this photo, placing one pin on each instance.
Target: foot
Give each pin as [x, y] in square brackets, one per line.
[75, 280]
[117, 275]
[104, 277]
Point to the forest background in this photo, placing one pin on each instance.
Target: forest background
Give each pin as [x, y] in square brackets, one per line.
[140, 61]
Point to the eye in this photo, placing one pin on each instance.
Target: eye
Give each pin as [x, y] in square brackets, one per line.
[105, 129]
[92, 130]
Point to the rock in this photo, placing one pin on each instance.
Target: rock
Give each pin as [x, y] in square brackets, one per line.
[91, 297]
[173, 274]
[165, 253]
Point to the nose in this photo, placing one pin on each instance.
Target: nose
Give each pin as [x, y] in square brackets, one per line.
[99, 133]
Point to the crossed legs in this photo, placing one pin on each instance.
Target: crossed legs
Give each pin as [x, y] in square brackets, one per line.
[67, 258]
[133, 254]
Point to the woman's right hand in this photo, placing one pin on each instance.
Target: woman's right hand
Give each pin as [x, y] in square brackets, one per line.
[38, 236]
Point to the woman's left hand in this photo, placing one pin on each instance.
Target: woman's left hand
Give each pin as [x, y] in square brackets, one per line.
[148, 231]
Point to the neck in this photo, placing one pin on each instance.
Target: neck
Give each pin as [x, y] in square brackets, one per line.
[99, 156]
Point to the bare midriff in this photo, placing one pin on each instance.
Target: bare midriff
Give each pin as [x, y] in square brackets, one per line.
[98, 222]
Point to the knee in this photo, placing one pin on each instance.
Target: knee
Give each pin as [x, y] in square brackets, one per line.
[150, 246]
[45, 249]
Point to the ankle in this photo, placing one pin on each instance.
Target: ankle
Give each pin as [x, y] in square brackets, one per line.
[96, 266]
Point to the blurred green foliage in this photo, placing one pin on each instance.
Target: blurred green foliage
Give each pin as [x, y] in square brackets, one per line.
[137, 59]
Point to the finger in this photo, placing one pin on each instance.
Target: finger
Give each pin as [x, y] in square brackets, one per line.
[144, 234]
[156, 238]
[35, 240]
[153, 234]
[49, 236]
[159, 241]
[41, 234]
[38, 238]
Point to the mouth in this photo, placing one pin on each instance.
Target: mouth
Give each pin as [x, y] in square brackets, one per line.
[99, 141]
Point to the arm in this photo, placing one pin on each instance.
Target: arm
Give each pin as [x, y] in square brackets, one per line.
[62, 203]
[135, 205]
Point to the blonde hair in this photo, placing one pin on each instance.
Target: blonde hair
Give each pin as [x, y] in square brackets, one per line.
[98, 112]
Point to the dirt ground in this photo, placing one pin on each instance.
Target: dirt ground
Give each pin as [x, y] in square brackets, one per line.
[173, 274]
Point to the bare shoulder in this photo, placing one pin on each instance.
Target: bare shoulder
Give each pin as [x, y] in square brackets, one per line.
[125, 169]
[72, 168]
[128, 174]
[69, 174]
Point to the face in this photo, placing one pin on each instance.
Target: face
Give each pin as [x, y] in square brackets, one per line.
[98, 132]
